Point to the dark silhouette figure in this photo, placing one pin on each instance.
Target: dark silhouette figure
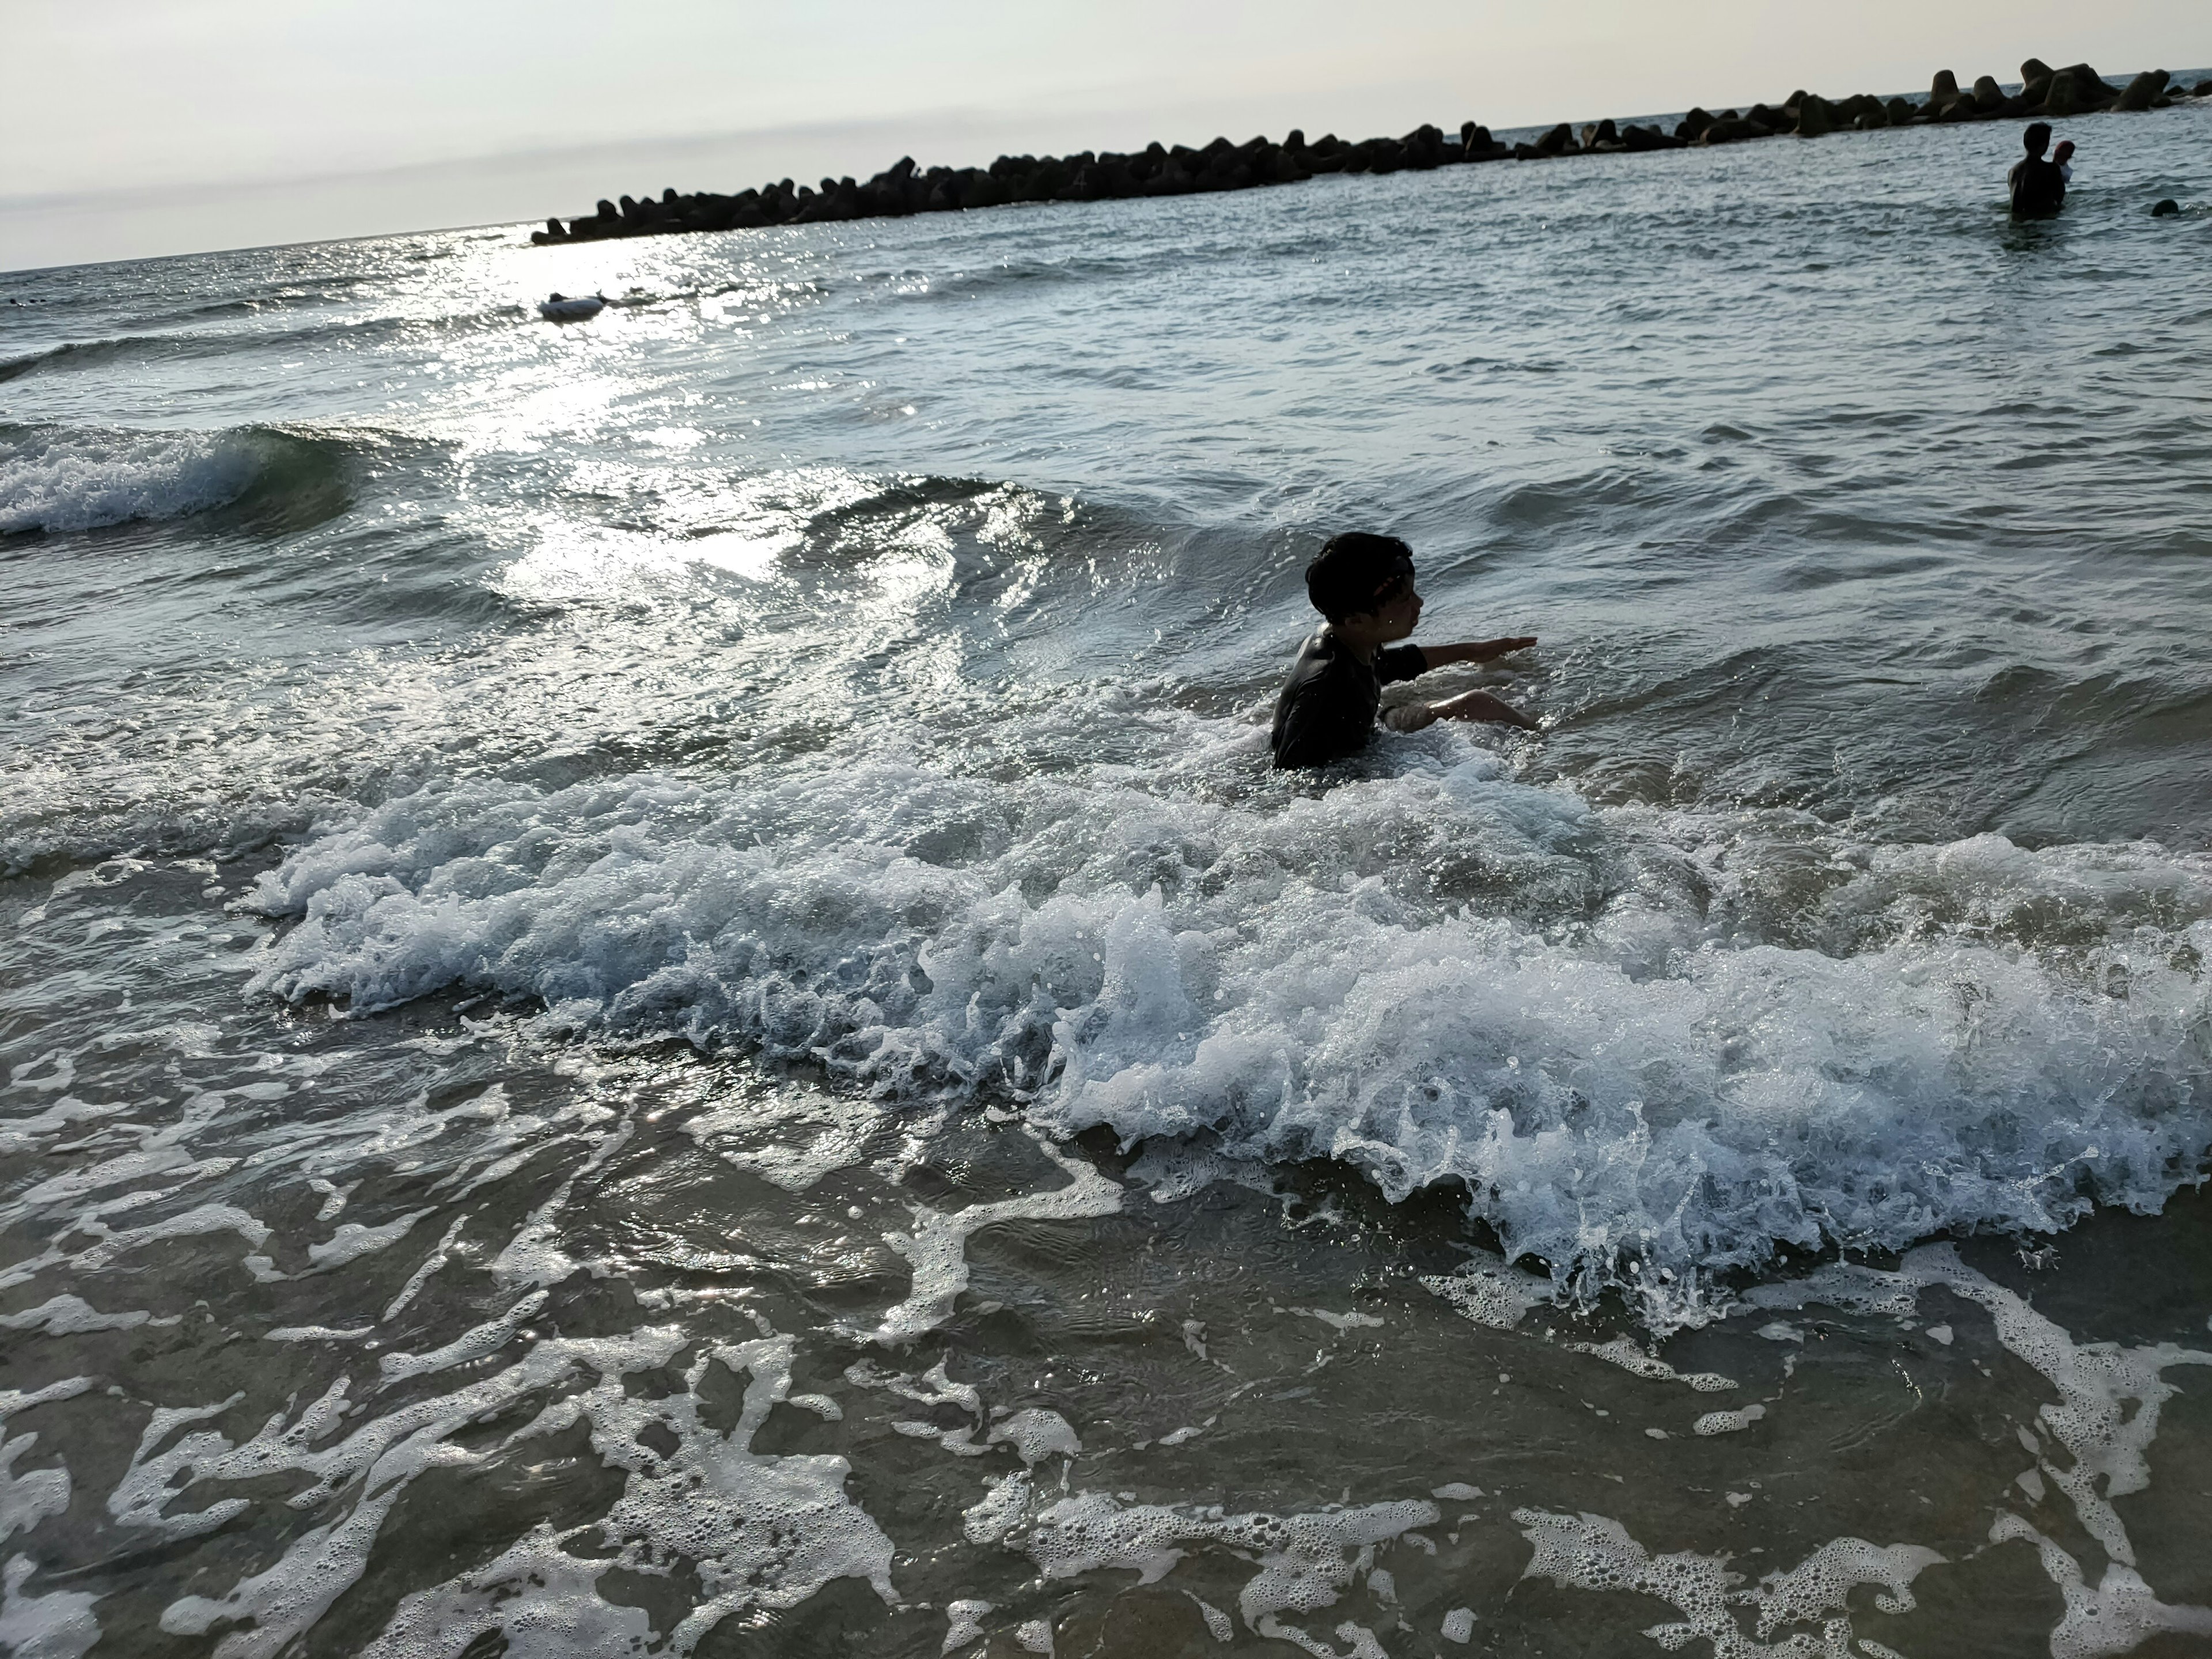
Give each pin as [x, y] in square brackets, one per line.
[2038, 187]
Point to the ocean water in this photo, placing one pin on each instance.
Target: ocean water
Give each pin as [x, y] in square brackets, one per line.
[656, 998]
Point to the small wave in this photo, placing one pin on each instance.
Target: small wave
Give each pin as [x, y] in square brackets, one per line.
[1016, 272]
[13, 368]
[1013, 273]
[267, 302]
[290, 329]
[1479, 368]
[59, 480]
[77, 355]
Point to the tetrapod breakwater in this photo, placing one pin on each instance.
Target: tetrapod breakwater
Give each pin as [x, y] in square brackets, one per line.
[1178, 170]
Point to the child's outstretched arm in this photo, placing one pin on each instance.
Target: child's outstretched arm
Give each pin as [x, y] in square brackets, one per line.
[1440, 656]
[1468, 704]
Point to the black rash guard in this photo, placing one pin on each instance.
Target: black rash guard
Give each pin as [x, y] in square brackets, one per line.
[2039, 188]
[1326, 708]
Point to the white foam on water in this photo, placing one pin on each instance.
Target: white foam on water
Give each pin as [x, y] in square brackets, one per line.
[1848, 1285]
[535, 1255]
[72, 1316]
[1623, 1352]
[1646, 1067]
[1458, 1626]
[753, 1531]
[1595, 1553]
[1341, 1323]
[60, 1625]
[793, 1138]
[1498, 1296]
[936, 1248]
[482, 1140]
[750, 1530]
[1305, 1560]
[24, 1135]
[2118, 1614]
[60, 1064]
[429, 1265]
[1173, 1170]
[32, 1497]
[200, 1221]
[1490, 1291]
[1217, 1622]
[335, 1197]
[536, 1600]
[2106, 1417]
[961, 1443]
[964, 1624]
[1036, 1434]
[81, 480]
[352, 1241]
[475, 1344]
[161, 1152]
[934, 1386]
[1735, 1422]
[1002, 1507]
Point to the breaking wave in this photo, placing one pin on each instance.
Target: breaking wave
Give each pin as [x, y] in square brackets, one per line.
[59, 480]
[1655, 1047]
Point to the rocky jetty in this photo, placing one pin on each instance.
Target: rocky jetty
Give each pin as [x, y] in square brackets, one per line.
[1175, 170]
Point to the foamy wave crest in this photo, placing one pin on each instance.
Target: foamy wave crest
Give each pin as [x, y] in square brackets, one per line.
[1655, 1047]
[55, 480]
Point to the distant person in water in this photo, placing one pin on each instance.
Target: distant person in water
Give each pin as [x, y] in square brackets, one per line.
[2063, 159]
[1364, 585]
[2038, 187]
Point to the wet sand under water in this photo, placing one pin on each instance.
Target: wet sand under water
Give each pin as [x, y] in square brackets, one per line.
[486, 1339]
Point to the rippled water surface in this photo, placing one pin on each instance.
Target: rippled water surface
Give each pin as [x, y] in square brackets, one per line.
[656, 998]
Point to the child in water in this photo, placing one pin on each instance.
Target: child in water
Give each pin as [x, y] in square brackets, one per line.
[1364, 586]
[2038, 186]
[2063, 157]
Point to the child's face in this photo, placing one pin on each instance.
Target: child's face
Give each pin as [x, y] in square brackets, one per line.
[1398, 610]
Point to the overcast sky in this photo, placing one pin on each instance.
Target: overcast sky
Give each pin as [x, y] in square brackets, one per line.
[150, 126]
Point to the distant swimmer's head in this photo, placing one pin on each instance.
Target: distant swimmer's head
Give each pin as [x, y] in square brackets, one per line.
[1368, 580]
[2037, 138]
[2064, 153]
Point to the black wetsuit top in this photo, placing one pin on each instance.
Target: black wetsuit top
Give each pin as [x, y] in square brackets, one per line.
[1326, 709]
[2039, 188]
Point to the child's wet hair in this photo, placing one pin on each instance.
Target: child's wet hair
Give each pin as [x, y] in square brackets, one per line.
[1354, 570]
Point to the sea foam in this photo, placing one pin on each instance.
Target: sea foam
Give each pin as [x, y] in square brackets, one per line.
[1653, 1047]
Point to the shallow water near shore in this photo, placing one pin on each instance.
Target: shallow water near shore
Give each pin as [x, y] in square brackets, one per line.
[656, 998]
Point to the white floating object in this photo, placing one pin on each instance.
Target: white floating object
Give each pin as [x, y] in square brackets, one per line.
[560, 308]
